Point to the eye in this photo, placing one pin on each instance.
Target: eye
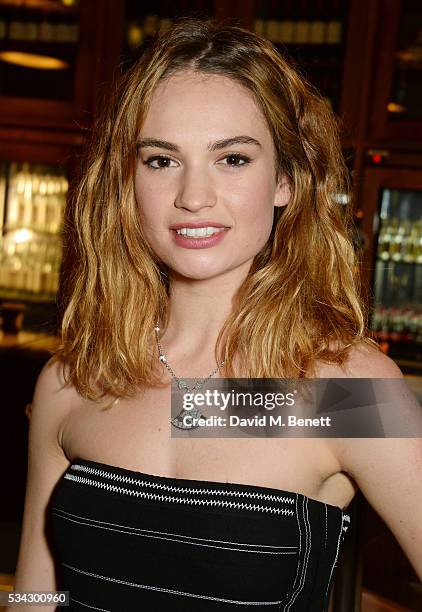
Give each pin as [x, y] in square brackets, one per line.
[236, 157]
[163, 159]
[159, 158]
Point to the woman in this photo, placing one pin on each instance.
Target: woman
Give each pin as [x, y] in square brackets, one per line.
[211, 128]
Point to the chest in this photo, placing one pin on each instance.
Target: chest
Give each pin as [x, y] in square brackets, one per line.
[136, 434]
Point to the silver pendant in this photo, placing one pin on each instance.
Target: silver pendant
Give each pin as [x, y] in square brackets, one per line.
[178, 420]
[182, 384]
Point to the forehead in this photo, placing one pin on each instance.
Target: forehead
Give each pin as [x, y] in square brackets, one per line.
[191, 103]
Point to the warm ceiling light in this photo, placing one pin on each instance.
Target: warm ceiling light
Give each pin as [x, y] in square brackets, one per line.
[31, 60]
[393, 107]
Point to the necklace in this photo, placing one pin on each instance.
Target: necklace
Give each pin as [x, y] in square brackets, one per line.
[177, 421]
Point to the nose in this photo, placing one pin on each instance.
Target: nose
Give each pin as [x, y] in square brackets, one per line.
[196, 190]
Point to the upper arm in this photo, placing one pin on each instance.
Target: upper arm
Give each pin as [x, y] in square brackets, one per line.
[46, 464]
[387, 470]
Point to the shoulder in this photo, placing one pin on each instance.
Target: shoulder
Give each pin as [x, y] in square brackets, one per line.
[363, 360]
[52, 386]
[51, 377]
[51, 403]
[377, 465]
[366, 361]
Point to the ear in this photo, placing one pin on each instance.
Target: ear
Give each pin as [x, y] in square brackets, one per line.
[283, 193]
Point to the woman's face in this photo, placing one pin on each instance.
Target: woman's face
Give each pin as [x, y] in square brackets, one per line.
[188, 176]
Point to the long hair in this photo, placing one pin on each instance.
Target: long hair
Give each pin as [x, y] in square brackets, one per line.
[301, 299]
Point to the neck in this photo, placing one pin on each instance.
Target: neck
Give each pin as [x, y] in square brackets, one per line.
[198, 310]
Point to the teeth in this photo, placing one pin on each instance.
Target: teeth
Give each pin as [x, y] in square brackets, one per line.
[199, 232]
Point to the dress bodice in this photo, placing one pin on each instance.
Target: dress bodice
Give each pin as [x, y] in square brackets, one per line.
[128, 541]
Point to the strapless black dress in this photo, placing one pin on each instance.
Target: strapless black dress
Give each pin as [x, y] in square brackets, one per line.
[127, 541]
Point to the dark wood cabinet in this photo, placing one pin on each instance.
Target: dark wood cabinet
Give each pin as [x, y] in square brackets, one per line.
[396, 94]
[62, 97]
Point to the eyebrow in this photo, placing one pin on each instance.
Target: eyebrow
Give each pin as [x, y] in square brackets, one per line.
[215, 146]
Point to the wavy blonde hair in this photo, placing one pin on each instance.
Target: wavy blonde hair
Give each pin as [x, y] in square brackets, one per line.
[301, 299]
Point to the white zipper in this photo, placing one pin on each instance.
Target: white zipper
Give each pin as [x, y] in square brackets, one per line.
[178, 500]
[176, 489]
[345, 519]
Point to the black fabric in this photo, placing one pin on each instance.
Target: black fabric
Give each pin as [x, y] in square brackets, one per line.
[128, 541]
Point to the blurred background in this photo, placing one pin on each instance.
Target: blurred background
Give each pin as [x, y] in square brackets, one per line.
[58, 61]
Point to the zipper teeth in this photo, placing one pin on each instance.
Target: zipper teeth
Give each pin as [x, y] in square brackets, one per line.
[345, 519]
[178, 500]
[176, 489]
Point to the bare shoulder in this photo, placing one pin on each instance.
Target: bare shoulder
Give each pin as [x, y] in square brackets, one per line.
[363, 361]
[51, 388]
[377, 465]
[366, 361]
[52, 400]
[51, 378]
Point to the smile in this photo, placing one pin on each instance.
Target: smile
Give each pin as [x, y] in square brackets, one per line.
[199, 232]
[199, 237]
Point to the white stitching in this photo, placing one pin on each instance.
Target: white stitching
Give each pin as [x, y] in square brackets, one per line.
[335, 558]
[177, 489]
[299, 557]
[306, 554]
[167, 533]
[326, 521]
[179, 500]
[310, 542]
[171, 591]
[258, 552]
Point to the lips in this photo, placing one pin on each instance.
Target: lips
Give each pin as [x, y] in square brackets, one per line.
[203, 242]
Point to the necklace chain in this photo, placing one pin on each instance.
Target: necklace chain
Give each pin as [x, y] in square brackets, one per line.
[179, 420]
[182, 384]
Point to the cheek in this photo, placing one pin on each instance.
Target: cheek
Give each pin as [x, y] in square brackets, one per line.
[262, 229]
[256, 213]
[148, 204]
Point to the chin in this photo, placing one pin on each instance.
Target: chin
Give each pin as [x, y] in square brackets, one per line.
[199, 275]
[198, 272]
[208, 272]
